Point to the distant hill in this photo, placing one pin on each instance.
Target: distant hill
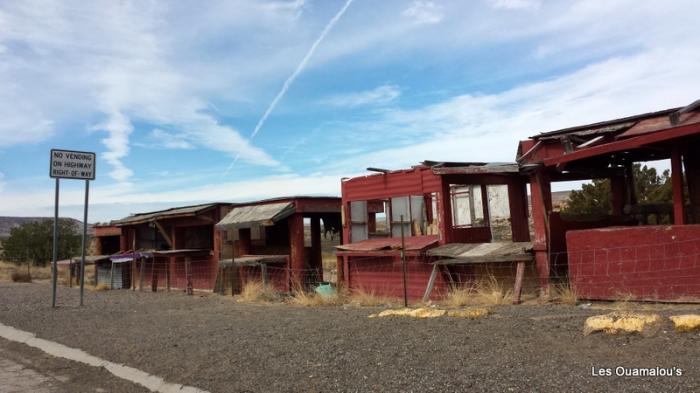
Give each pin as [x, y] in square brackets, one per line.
[7, 223]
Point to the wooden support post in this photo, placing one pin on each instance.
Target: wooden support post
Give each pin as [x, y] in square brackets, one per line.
[339, 275]
[445, 213]
[154, 277]
[346, 271]
[431, 283]
[485, 205]
[133, 274]
[518, 287]
[263, 274]
[111, 276]
[618, 195]
[296, 247]
[692, 176]
[316, 255]
[517, 202]
[142, 271]
[677, 185]
[541, 207]
[188, 274]
[233, 272]
[70, 273]
[167, 273]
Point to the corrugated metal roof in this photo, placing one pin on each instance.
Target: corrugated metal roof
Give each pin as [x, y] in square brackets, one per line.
[267, 214]
[162, 214]
[412, 243]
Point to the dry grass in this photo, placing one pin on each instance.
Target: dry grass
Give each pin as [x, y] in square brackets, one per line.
[564, 294]
[488, 291]
[362, 297]
[358, 297]
[255, 291]
[100, 287]
[9, 271]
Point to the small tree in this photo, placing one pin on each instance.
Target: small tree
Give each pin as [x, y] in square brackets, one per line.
[33, 242]
[596, 198]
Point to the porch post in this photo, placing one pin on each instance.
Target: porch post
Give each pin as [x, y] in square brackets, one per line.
[296, 248]
[540, 189]
[316, 255]
[517, 202]
[677, 184]
[692, 176]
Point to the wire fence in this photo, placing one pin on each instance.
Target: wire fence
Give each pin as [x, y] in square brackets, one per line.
[653, 271]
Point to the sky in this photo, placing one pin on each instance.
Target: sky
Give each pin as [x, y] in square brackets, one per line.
[187, 101]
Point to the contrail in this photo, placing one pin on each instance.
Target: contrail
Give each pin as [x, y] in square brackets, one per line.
[293, 76]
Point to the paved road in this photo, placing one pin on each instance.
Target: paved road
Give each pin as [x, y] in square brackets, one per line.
[27, 370]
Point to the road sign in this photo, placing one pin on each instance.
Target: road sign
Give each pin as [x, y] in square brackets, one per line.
[69, 164]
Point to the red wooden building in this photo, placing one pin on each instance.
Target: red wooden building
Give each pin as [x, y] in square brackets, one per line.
[625, 253]
[449, 222]
[266, 240]
[172, 248]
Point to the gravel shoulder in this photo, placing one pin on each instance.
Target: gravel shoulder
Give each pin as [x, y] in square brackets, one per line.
[27, 370]
[214, 343]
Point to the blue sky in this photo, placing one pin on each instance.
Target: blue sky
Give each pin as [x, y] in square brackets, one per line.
[169, 93]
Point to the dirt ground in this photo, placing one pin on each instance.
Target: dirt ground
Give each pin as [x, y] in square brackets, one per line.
[212, 342]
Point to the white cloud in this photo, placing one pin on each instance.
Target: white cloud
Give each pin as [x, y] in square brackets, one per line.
[423, 12]
[169, 140]
[381, 95]
[117, 62]
[515, 4]
[115, 201]
[488, 127]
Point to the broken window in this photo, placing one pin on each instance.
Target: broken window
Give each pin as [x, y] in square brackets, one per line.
[378, 218]
[467, 206]
[382, 217]
[499, 212]
[358, 221]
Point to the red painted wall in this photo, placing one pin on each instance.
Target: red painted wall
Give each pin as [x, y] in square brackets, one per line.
[383, 277]
[645, 263]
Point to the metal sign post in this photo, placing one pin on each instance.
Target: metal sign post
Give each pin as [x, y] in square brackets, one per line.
[54, 263]
[69, 164]
[403, 265]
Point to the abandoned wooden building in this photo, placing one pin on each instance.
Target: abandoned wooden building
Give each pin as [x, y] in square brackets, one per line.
[266, 239]
[172, 248]
[638, 251]
[448, 214]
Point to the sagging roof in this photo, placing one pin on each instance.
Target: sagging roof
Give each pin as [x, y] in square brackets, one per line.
[265, 214]
[185, 252]
[175, 212]
[484, 252]
[629, 134]
[254, 260]
[471, 168]
[412, 243]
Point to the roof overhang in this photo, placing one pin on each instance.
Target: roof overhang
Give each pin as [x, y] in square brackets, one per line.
[257, 215]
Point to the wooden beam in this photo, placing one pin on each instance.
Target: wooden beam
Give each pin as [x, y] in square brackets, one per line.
[626, 144]
[677, 185]
[431, 283]
[164, 233]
